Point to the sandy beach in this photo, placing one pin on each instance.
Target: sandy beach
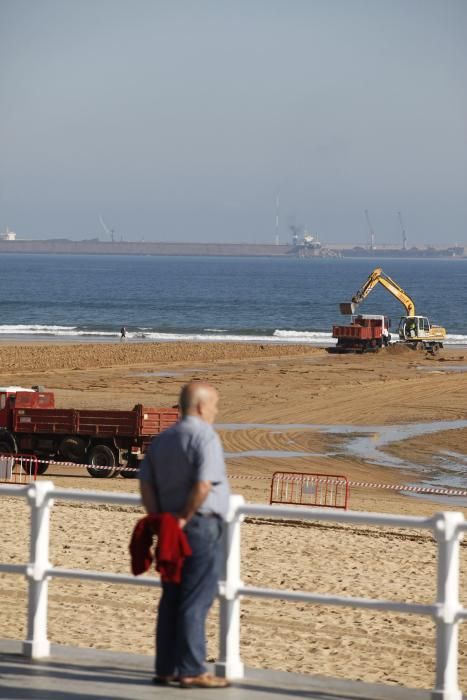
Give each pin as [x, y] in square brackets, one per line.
[287, 399]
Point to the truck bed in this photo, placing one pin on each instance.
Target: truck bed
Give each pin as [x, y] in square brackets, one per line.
[356, 331]
[140, 421]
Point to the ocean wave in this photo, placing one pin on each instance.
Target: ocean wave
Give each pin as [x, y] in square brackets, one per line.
[59, 331]
[233, 338]
[303, 336]
[35, 329]
[455, 339]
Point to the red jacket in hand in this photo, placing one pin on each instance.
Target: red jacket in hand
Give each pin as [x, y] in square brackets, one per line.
[171, 550]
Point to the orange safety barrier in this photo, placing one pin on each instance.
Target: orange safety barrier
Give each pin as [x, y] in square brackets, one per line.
[322, 490]
[18, 469]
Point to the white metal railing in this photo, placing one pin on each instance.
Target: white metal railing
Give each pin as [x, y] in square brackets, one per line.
[447, 612]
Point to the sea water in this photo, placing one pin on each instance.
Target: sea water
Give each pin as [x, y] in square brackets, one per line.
[285, 300]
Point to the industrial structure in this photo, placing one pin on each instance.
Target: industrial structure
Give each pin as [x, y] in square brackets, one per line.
[8, 235]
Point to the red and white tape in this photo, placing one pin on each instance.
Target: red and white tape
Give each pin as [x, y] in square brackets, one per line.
[412, 489]
[368, 485]
[86, 466]
[290, 477]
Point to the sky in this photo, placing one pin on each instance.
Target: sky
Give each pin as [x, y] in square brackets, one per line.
[186, 120]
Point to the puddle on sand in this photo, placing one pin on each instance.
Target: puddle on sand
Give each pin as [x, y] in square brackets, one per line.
[364, 441]
[368, 447]
[367, 443]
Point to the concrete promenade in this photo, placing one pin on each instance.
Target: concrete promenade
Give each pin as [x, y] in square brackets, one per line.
[87, 674]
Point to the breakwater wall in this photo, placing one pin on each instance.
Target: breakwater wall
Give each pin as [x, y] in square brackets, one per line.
[96, 247]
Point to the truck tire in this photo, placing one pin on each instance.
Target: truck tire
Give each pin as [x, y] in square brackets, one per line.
[130, 474]
[73, 449]
[28, 467]
[102, 456]
[7, 443]
[6, 448]
[41, 467]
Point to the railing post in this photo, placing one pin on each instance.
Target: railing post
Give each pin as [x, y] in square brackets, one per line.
[229, 663]
[448, 536]
[37, 645]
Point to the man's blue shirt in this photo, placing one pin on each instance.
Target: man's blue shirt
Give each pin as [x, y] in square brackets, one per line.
[188, 452]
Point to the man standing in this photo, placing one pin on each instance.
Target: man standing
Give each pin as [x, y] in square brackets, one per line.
[184, 473]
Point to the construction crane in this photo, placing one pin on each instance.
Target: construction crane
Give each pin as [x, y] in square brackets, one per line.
[109, 232]
[404, 237]
[372, 233]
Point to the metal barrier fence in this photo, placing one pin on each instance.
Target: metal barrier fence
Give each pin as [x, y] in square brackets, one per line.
[305, 489]
[446, 610]
[18, 469]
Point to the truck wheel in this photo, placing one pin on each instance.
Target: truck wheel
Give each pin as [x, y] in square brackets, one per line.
[73, 449]
[6, 448]
[8, 444]
[101, 456]
[130, 474]
[41, 467]
[28, 466]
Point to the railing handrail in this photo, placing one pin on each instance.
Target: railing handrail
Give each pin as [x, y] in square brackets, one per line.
[326, 514]
[448, 529]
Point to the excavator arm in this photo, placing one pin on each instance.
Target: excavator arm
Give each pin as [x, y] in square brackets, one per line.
[379, 277]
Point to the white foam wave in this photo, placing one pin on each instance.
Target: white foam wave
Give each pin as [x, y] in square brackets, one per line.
[35, 329]
[456, 339]
[303, 336]
[231, 338]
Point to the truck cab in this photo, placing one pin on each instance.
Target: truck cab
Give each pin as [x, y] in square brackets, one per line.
[19, 397]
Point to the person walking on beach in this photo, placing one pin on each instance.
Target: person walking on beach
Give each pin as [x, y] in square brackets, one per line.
[184, 473]
[123, 333]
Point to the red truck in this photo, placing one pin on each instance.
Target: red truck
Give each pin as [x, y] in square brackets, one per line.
[105, 440]
[366, 332]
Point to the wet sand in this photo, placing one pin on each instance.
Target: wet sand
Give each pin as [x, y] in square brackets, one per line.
[282, 386]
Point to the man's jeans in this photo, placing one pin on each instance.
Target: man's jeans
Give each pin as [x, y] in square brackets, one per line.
[183, 608]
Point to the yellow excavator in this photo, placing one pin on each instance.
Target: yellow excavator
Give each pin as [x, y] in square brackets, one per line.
[416, 331]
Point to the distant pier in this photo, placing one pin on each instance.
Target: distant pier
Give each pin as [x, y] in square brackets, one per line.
[64, 246]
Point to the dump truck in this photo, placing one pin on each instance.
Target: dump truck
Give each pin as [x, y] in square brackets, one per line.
[105, 440]
[366, 332]
[416, 331]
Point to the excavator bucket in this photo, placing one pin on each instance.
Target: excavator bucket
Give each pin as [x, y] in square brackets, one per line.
[348, 307]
